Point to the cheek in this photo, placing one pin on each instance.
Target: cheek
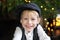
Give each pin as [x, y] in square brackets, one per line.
[22, 21]
[36, 22]
[23, 24]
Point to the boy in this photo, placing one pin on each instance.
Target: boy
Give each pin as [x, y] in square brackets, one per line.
[29, 27]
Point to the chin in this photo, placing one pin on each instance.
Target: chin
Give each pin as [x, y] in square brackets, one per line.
[30, 30]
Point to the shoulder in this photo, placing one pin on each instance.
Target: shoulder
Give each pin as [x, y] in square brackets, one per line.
[18, 29]
[41, 33]
[39, 27]
[40, 30]
[17, 34]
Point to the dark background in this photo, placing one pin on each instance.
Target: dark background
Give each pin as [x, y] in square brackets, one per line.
[7, 28]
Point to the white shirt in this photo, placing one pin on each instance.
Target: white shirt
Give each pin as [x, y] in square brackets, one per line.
[29, 36]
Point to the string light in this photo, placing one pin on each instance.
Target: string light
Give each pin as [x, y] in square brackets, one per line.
[41, 6]
[45, 19]
[28, 1]
[52, 8]
[53, 22]
[49, 28]
[51, 25]
[45, 9]
[46, 26]
[52, 30]
[47, 23]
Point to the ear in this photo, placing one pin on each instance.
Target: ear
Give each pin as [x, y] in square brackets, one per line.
[20, 21]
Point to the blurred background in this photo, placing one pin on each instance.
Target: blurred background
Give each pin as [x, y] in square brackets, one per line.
[50, 22]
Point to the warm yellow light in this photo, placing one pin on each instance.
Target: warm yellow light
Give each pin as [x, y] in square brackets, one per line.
[27, 0]
[58, 20]
[57, 23]
[45, 9]
[41, 6]
[51, 25]
[52, 30]
[54, 22]
[47, 23]
[52, 8]
[49, 28]
[45, 19]
[46, 26]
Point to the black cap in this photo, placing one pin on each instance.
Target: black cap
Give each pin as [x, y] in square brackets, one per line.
[28, 6]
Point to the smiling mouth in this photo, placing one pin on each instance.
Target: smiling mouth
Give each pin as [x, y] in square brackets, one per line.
[29, 26]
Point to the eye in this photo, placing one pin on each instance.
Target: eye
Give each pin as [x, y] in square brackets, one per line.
[25, 18]
[32, 19]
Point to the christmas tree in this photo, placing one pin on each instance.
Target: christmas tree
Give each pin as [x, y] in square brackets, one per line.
[48, 7]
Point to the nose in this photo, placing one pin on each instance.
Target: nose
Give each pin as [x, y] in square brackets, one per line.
[29, 21]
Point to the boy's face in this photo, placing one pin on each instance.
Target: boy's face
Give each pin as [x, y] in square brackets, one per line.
[29, 20]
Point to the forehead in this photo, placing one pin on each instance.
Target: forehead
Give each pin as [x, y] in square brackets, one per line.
[30, 13]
